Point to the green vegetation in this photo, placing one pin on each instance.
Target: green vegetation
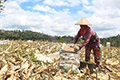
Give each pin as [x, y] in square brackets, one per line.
[115, 41]
[2, 5]
[30, 35]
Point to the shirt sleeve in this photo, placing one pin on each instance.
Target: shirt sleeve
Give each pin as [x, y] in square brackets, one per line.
[76, 37]
[87, 38]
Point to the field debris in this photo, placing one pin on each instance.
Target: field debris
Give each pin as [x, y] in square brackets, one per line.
[112, 62]
[18, 61]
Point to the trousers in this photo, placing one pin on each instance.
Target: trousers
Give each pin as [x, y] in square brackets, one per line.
[96, 52]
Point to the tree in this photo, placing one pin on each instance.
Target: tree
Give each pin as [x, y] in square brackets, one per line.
[2, 5]
[61, 39]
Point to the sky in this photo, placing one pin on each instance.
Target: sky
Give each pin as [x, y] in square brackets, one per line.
[58, 17]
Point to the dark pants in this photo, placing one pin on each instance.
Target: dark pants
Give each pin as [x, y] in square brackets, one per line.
[96, 51]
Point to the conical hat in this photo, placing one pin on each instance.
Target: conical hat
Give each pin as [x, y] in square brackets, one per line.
[83, 21]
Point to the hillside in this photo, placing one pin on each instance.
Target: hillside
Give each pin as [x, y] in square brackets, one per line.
[30, 35]
[114, 40]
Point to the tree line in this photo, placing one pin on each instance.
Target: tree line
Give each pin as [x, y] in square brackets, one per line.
[30, 35]
[114, 40]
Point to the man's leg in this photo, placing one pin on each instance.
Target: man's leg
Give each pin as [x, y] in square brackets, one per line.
[96, 50]
[87, 53]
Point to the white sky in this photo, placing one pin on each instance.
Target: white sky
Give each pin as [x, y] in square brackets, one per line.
[57, 17]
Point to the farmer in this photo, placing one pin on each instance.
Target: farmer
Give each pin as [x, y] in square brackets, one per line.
[91, 41]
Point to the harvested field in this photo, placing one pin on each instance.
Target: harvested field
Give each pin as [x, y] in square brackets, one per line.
[19, 61]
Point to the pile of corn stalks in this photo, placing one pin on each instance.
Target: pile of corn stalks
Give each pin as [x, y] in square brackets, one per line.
[17, 62]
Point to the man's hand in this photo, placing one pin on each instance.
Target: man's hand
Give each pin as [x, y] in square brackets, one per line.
[77, 48]
[72, 45]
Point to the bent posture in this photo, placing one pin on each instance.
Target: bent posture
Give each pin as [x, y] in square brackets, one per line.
[91, 41]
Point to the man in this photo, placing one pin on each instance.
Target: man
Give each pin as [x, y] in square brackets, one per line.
[91, 41]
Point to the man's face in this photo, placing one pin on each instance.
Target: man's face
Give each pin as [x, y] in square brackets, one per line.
[83, 26]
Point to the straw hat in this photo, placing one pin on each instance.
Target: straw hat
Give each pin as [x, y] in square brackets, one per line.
[83, 21]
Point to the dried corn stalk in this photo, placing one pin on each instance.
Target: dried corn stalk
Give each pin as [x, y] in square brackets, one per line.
[16, 62]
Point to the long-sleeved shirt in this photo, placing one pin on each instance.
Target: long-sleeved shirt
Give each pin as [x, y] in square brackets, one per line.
[88, 35]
